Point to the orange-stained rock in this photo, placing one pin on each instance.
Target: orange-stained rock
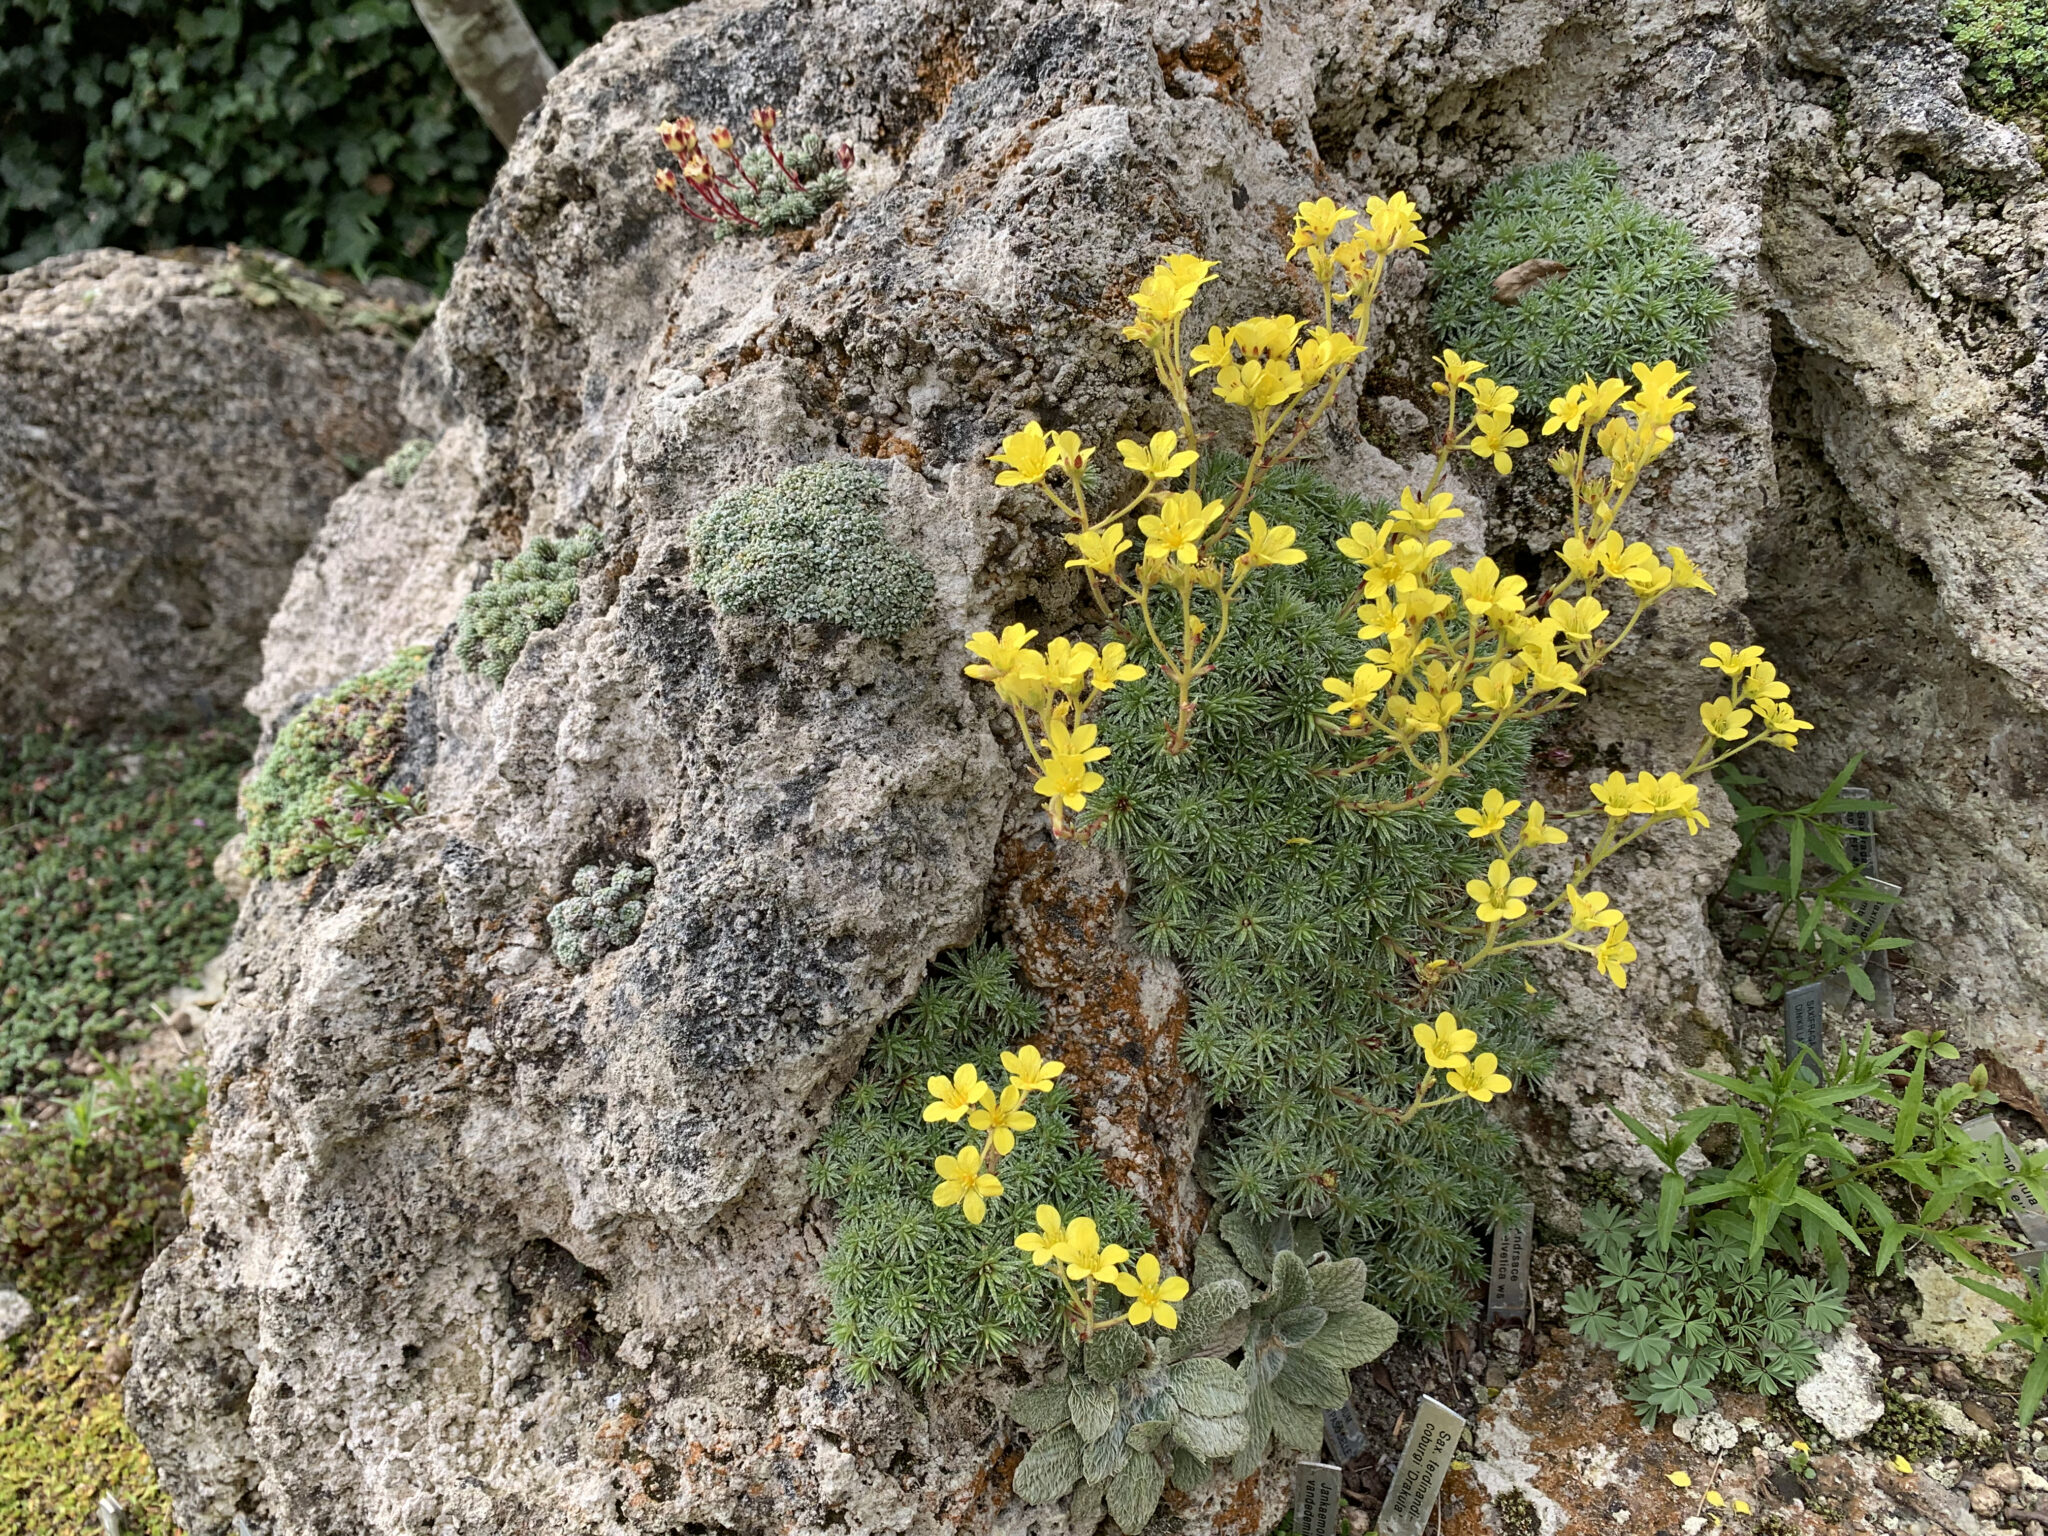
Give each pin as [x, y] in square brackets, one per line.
[1564, 1438]
[1114, 1015]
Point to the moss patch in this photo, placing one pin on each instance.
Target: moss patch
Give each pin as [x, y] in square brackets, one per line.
[350, 739]
[107, 895]
[63, 1442]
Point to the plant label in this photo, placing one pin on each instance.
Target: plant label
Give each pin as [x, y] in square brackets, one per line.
[1507, 1287]
[1859, 833]
[1805, 1023]
[1343, 1434]
[1318, 1498]
[1420, 1476]
[2033, 1222]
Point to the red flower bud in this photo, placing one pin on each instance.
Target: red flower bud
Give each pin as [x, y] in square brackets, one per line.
[721, 137]
[666, 180]
[846, 157]
[764, 119]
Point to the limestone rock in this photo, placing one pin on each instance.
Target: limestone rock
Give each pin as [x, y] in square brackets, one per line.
[1842, 1394]
[15, 1313]
[166, 454]
[1954, 1317]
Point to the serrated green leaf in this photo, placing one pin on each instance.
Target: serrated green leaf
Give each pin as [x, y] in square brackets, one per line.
[1296, 1328]
[1294, 1425]
[1208, 1387]
[1190, 1471]
[1354, 1337]
[1203, 1315]
[1091, 1406]
[1289, 1288]
[1134, 1493]
[1084, 1510]
[1049, 1468]
[1214, 1264]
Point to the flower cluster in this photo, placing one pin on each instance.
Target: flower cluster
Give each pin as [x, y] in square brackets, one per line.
[1050, 694]
[1077, 1255]
[714, 183]
[967, 1178]
[1198, 552]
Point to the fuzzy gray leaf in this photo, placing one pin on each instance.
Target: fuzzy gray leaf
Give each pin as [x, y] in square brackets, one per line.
[1092, 1406]
[1354, 1337]
[1290, 1285]
[1247, 1240]
[1296, 1328]
[1148, 1436]
[1294, 1426]
[1049, 1468]
[1203, 1315]
[1210, 1438]
[1339, 1286]
[1103, 1459]
[1189, 1471]
[1134, 1493]
[1213, 1264]
[1113, 1354]
[1040, 1409]
[1208, 1387]
[1311, 1383]
[1084, 1510]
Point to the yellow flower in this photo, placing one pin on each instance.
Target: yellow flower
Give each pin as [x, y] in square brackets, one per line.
[1099, 548]
[1667, 795]
[1068, 778]
[1801, 1447]
[1445, 1042]
[1395, 224]
[1491, 398]
[1152, 1298]
[1582, 403]
[1082, 1253]
[1188, 270]
[1492, 814]
[962, 1183]
[1679, 1479]
[1479, 1080]
[954, 1096]
[1266, 338]
[1654, 403]
[1740, 1506]
[1495, 688]
[1355, 697]
[1003, 1118]
[1029, 1072]
[1111, 668]
[1315, 222]
[1496, 435]
[1457, 371]
[1167, 293]
[1050, 1235]
[1549, 672]
[1762, 683]
[1258, 386]
[1213, 353]
[1415, 515]
[1615, 955]
[1366, 542]
[1724, 721]
[1683, 574]
[1270, 546]
[1782, 720]
[1577, 621]
[1486, 591]
[1176, 529]
[999, 657]
[1591, 912]
[1734, 663]
[1580, 558]
[1535, 834]
[1429, 712]
[1324, 353]
[1617, 795]
[1029, 453]
[1161, 459]
[1499, 895]
[1071, 457]
[1902, 1466]
[1715, 1498]
[1066, 665]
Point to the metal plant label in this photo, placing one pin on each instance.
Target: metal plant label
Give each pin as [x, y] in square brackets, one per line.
[1507, 1287]
[1859, 832]
[1420, 1476]
[1343, 1434]
[2033, 1222]
[1318, 1498]
[1805, 1022]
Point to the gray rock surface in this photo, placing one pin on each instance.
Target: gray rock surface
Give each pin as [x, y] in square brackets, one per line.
[483, 1246]
[166, 453]
[16, 1313]
[1842, 1394]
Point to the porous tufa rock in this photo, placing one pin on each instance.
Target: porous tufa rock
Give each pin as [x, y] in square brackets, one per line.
[1842, 1395]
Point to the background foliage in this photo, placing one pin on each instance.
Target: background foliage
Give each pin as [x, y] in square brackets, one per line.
[107, 895]
[329, 129]
[2007, 41]
[1289, 916]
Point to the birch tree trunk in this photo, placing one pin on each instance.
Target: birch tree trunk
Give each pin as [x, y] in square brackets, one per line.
[493, 54]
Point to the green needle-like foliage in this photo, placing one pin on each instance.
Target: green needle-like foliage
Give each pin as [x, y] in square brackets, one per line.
[811, 549]
[532, 590]
[107, 895]
[1290, 917]
[1639, 285]
[315, 797]
[1696, 1310]
[915, 1289]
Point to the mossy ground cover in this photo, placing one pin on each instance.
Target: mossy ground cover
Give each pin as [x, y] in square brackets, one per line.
[107, 895]
[2007, 41]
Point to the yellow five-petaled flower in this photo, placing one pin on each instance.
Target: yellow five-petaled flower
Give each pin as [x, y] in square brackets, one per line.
[1152, 1297]
[1003, 1118]
[1500, 894]
[1081, 1250]
[1445, 1042]
[1478, 1079]
[954, 1096]
[962, 1183]
[1050, 1235]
